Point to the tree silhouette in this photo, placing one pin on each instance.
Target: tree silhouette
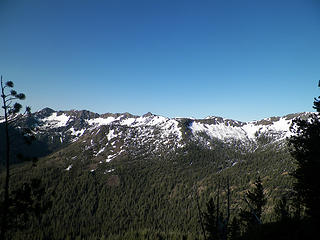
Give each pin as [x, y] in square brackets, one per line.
[316, 103]
[234, 231]
[11, 114]
[305, 150]
[255, 200]
[282, 209]
[216, 224]
[211, 220]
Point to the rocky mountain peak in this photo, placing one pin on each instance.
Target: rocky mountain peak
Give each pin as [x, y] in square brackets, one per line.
[45, 112]
[148, 114]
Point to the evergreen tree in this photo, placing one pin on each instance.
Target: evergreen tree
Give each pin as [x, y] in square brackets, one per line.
[234, 232]
[11, 110]
[255, 200]
[211, 220]
[216, 224]
[281, 210]
[316, 103]
[305, 150]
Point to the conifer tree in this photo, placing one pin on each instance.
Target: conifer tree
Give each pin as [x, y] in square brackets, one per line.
[306, 151]
[281, 209]
[255, 200]
[211, 220]
[216, 224]
[316, 103]
[234, 232]
[11, 109]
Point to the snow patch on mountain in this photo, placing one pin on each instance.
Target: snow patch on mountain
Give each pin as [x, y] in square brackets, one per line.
[56, 121]
[128, 121]
[111, 135]
[250, 130]
[69, 167]
[220, 131]
[77, 133]
[245, 131]
[279, 129]
[100, 121]
[282, 125]
[100, 151]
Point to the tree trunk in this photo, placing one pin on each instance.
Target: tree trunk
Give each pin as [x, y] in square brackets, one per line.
[6, 187]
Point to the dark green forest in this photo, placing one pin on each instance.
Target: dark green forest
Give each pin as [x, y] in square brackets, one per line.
[147, 198]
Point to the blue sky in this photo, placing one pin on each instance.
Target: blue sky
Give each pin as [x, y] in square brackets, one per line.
[241, 59]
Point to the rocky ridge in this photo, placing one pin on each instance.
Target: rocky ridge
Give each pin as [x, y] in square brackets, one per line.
[111, 135]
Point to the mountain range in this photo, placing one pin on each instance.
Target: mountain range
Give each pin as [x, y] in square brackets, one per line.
[110, 136]
[128, 173]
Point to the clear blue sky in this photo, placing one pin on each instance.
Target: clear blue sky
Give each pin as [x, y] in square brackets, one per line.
[241, 59]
